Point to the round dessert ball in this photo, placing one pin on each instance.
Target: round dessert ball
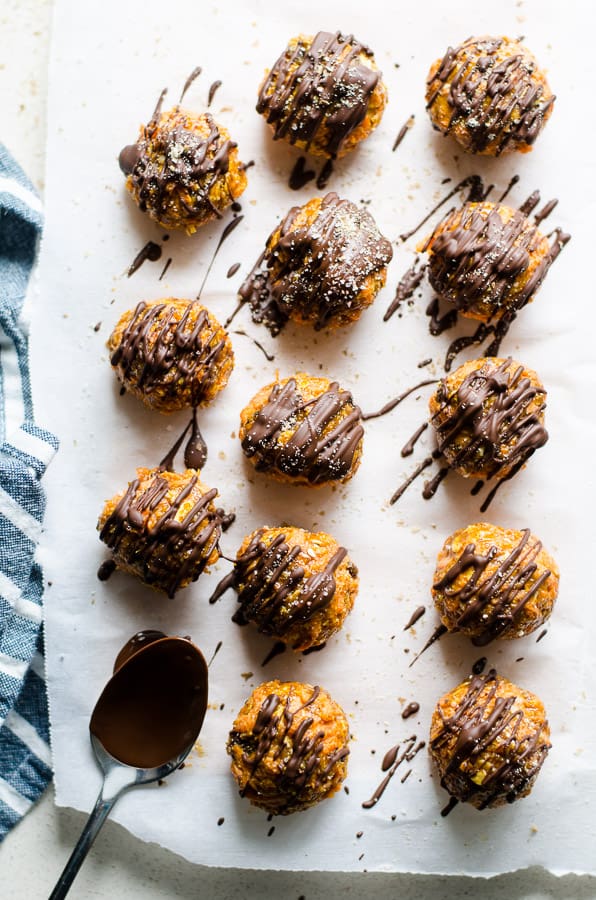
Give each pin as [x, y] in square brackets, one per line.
[294, 585]
[493, 582]
[164, 528]
[183, 170]
[324, 264]
[490, 94]
[289, 747]
[171, 354]
[324, 94]
[488, 739]
[303, 430]
[488, 416]
[487, 259]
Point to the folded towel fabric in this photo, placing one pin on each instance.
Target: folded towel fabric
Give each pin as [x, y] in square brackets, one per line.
[25, 451]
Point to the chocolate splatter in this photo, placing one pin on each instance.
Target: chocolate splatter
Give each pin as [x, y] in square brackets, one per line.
[391, 762]
[397, 400]
[268, 356]
[166, 267]
[232, 270]
[410, 710]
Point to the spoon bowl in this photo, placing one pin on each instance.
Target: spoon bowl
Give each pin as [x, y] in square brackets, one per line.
[143, 726]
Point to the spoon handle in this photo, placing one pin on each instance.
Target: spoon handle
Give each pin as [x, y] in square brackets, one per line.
[98, 816]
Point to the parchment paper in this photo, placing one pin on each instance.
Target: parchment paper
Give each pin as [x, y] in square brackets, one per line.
[109, 63]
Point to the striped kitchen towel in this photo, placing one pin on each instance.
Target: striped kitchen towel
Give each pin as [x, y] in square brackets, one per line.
[25, 451]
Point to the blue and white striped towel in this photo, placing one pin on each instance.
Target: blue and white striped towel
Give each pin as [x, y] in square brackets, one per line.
[25, 451]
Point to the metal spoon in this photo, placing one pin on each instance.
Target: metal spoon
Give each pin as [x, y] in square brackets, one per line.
[144, 725]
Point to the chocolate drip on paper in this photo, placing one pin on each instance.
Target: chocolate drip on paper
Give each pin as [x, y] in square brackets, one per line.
[278, 648]
[406, 287]
[299, 176]
[485, 92]
[302, 745]
[410, 710]
[190, 540]
[409, 123]
[397, 400]
[320, 266]
[191, 78]
[212, 92]
[476, 192]
[151, 251]
[391, 763]
[416, 615]
[273, 589]
[314, 450]
[481, 717]
[168, 351]
[494, 598]
[316, 87]
[228, 230]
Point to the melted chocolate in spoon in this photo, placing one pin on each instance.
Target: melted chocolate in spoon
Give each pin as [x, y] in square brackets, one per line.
[154, 705]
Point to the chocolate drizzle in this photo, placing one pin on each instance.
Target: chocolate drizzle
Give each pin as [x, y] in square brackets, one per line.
[391, 762]
[318, 268]
[494, 416]
[499, 102]
[172, 154]
[494, 598]
[189, 540]
[273, 589]
[477, 258]
[298, 748]
[481, 719]
[319, 90]
[409, 123]
[158, 352]
[315, 451]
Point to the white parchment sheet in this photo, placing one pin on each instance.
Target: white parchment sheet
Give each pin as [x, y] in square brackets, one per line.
[109, 63]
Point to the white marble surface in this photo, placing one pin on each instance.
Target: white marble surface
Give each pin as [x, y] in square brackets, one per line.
[120, 866]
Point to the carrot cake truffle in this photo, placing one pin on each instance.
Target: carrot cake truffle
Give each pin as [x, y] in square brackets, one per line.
[294, 585]
[164, 528]
[322, 266]
[490, 94]
[493, 582]
[303, 430]
[488, 416]
[171, 354]
[289, 747]
[324, 94]
[488, 260]
[488, 740]
[183, 169]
